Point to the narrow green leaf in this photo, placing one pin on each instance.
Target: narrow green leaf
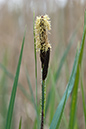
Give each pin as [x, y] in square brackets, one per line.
[3, 92]
[85, 18]
[6, 71]
[57, 96]
[75, 90]
[60, 108]
[58, 114]
[32, 97]
[30, 87]
[47, 102]
[76, 125]
[71, 41]
[35, 124]
[74, 102]
[52, 107]
[57, 73]
[20, 123]
[14, 89]
[35, 53]
[83, 101]
[10, 75]
[56, 76]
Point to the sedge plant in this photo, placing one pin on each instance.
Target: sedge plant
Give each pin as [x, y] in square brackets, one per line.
[41, 29]
[42, 26]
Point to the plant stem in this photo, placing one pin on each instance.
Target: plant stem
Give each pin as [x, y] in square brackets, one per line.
[35, 54]
[43, 104]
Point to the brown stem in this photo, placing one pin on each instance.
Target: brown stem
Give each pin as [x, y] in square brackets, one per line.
[42, 120]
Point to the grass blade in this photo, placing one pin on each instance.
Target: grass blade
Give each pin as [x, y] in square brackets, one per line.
[35, 54]
[57, 73]
[66, 53]
[75, 90]
[52, 108]
[58, 98]
[3, 92]
[35, 124]
[32, 96]
[20, 123]
[30, 88]
[47, 102]
[83, 101]
[74, 102]
[58, 114]
[10, 75]
[14, 89]
[76, 125]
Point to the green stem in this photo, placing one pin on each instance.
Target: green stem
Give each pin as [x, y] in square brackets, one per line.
[35, 54]
[35, 62]
[43, 101]
[42, 111]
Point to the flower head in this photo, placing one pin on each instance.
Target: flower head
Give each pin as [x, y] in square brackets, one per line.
[42, 27]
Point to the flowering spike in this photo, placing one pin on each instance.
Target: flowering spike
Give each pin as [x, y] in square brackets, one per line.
[42, 26]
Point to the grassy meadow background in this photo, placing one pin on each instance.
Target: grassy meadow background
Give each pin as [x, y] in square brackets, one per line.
[67, 21]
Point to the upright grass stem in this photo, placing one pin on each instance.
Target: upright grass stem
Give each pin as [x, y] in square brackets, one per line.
[42, 110]
[35, 54]
[35, 62]
[43, 101]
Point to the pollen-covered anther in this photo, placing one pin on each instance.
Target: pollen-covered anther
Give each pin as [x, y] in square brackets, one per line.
[42, 27]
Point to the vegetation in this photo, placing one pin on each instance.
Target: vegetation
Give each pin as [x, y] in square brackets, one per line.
[55, 117]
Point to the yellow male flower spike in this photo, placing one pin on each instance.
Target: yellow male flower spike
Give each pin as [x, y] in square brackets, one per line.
[42, 26]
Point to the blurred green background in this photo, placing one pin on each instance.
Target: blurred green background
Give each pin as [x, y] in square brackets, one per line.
[65, 16]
